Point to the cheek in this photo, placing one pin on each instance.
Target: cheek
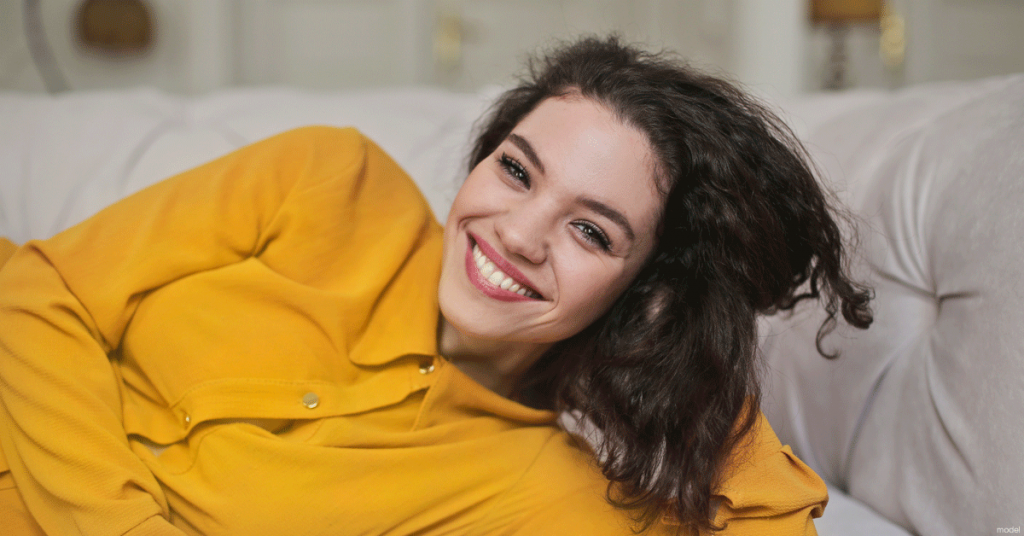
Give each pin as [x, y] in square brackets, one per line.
[592, 289]
[471, 198]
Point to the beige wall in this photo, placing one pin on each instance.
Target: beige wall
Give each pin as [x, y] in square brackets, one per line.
[205, 44]
[945, 40]
[187, 56]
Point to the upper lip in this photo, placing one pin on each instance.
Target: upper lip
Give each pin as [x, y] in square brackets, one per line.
[506, 267]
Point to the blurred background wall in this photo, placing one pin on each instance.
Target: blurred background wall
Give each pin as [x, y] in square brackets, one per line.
[195, 46]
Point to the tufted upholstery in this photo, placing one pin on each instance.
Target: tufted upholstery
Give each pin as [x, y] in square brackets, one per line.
[921, 417]
[917, 425]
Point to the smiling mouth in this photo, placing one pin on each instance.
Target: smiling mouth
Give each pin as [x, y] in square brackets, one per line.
[498, 278]
[492, 280]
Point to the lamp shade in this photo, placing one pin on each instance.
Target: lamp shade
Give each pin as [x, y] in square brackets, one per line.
[115, 26]
[846, 10]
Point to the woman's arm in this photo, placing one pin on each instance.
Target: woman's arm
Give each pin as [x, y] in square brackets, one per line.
[767, 489]
[66, 302]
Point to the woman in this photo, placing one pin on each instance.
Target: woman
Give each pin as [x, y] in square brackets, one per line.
[283, 341]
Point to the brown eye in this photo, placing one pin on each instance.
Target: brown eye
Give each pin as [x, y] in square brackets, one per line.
[593, 234]
[514, 169]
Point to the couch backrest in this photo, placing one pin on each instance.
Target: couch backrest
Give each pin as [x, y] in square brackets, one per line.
[921, 416]
[64, 158]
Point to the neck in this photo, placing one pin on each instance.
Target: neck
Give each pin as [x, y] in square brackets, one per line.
[497, 365]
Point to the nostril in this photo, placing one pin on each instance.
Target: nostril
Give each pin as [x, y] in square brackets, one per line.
[522, 243]
[531, 252]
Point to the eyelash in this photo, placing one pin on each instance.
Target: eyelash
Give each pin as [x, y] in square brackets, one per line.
[514, 169]
[593, 234]
[517, 172]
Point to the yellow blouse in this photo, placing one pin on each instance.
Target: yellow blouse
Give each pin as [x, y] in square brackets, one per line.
[249, 348]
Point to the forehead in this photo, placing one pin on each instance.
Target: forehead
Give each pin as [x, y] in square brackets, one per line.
[584, 147]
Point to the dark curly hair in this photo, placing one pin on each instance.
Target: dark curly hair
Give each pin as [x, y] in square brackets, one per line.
[669, 374]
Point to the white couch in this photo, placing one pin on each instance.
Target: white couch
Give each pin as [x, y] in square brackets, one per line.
[922, 419]
[917, 428]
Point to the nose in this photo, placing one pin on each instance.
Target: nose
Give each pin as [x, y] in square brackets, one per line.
[524, 231]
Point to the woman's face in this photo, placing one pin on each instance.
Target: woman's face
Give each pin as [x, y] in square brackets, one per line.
[549, 230]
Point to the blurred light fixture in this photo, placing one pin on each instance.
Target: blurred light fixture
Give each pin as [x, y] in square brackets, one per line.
[118, 27]
[845, 11]
[838, 15]
[892, 46]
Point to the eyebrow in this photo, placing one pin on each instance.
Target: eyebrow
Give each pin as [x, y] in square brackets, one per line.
[608, 212]
[527, 149]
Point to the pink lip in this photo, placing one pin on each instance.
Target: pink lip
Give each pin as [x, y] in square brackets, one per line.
[485, 286]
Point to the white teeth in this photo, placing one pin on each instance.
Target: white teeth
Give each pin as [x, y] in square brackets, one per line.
[497, 277]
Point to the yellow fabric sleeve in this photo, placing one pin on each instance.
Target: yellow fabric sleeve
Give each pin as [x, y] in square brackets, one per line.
[7, 249]
[65, 303]
[768, 490]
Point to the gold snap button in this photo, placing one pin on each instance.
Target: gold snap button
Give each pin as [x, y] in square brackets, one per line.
[426, 368]
[188, 418]
[310, 400]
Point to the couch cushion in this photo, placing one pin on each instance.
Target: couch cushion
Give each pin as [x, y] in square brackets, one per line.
[921, 416]
[63, 158]
[846, 516]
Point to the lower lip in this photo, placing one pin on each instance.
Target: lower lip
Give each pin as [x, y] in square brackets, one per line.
[485, 286]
